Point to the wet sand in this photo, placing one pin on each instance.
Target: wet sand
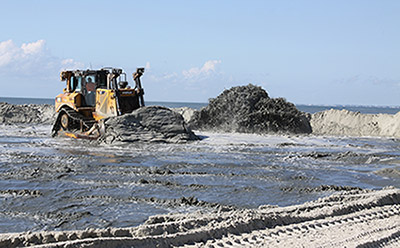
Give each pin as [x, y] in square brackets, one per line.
[358, 218]
[353, 218]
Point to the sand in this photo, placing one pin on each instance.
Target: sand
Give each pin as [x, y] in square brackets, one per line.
[148, 124]
[246, 109]
[357, 218]
[26, 113]
[348, 123]
[354, 218]
[186, 112]
[249, 109]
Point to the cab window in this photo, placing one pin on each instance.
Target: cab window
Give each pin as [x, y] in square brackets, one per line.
[76, 84]
[101, 80]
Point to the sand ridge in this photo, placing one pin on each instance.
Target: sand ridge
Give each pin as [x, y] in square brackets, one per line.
[358, 218]
[344, 122]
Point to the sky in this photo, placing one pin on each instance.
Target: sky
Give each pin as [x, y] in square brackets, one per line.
[316, 52]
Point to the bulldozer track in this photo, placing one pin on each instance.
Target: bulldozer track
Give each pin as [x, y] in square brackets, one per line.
[87, 122]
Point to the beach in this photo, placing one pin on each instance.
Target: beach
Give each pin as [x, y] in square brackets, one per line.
[333, 187]
[200, 124]
[352, 219]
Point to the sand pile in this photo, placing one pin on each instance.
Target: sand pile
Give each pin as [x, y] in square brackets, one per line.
[186, 112]
[27, 113]
[149, 124]
[344, 122]
[249, 109]
[358, 218]
[246, 109]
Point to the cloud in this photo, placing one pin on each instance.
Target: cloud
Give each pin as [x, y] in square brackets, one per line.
[31, 59]
[207, 69]
[168, 77]
[33, 48]
[11, 55]
[192, 84]
[195, 74]
[70, 64]
[7, 52]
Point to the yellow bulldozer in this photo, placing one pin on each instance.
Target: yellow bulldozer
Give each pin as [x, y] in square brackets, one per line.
[91, 96]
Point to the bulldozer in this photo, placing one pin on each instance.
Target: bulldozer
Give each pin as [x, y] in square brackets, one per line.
[91, 96]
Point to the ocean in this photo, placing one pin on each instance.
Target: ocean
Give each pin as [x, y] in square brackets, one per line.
[63, 184]
[305, 108]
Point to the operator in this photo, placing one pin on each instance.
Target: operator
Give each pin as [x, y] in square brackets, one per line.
[90, 86]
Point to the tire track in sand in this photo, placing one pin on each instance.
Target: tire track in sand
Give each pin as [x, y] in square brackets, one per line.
[375, 227]
[358, 218]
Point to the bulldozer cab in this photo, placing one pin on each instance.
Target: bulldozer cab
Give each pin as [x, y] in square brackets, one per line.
[85, 83]
[81, 85]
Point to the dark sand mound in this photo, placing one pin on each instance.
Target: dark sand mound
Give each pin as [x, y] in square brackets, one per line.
[149, 124]
[27, 113]
[249, 109]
